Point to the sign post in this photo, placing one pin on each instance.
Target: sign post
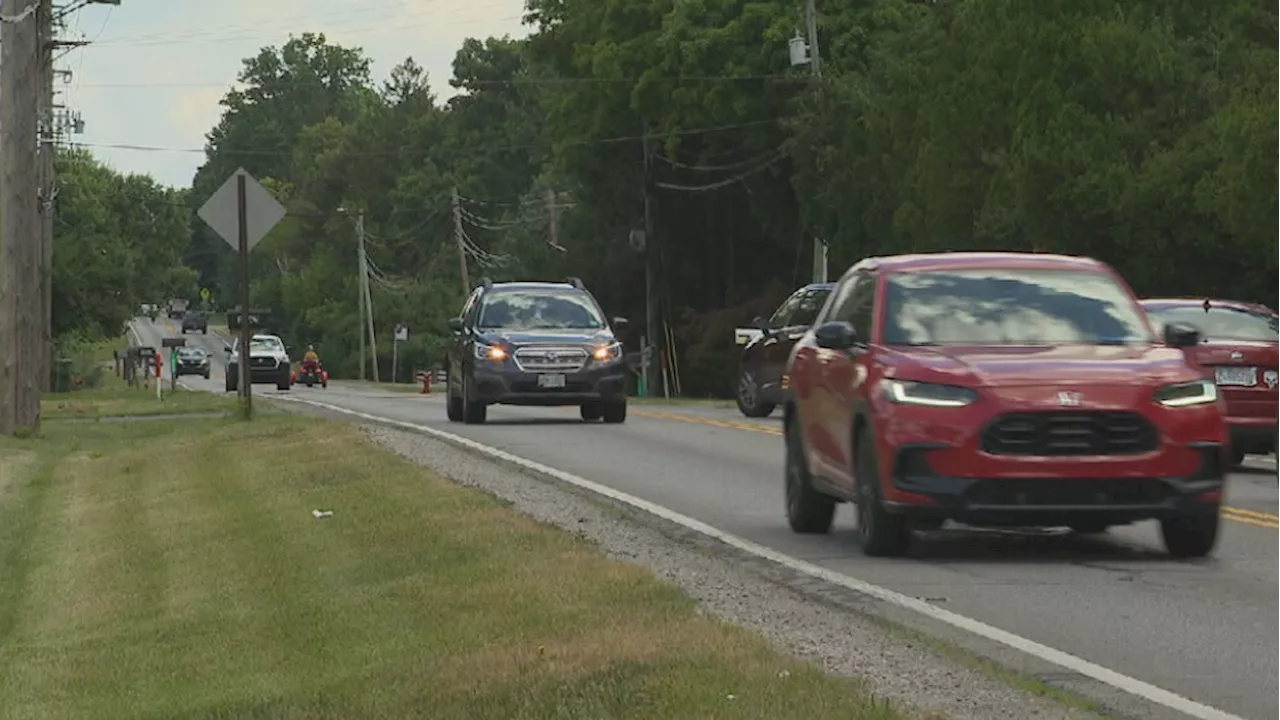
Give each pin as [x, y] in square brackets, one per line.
[242, 211]
[402, 335]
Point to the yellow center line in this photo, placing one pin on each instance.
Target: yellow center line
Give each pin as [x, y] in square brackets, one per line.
[1240, 515]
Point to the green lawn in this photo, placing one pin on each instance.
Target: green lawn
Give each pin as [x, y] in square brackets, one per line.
[161, 570]
[112, 397]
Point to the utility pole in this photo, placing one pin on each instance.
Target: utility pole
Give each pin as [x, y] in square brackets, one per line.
[652, 364]
[21, 336]
[368, 299]
[459, 236]
[820, 250]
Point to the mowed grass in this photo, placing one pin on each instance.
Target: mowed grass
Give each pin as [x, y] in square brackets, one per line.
[161, 570]
[114, 398]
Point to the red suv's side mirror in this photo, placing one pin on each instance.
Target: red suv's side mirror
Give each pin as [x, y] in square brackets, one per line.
[837, 335]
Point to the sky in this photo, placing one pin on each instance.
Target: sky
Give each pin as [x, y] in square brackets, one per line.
[155, 70]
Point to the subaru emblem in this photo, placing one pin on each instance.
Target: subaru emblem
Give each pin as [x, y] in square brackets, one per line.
[1069, 398]
[551, 356]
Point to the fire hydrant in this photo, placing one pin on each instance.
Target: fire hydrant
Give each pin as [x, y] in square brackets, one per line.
[426, 383]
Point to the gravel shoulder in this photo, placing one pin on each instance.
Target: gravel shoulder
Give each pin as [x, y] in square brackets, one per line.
[810, 622]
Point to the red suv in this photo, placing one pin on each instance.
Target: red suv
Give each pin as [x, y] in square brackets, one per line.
[1238, 348]
[999, 389]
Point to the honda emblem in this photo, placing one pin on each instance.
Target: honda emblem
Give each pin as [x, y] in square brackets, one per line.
[1069, 398]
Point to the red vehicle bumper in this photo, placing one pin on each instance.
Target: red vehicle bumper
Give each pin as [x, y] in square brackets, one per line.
[1018, 463]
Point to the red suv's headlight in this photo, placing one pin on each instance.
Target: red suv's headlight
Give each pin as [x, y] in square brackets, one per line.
[905, 392]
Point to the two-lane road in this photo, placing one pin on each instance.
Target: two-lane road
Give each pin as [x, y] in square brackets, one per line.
[1206, 630]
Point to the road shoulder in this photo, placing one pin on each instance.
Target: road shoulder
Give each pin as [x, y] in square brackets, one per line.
[806, 622]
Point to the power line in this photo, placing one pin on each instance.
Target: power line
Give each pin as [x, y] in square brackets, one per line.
[334, 18]
[404, 151]
[529, 80]
[258, 35]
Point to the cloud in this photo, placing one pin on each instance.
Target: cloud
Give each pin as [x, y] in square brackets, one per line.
[179, 58]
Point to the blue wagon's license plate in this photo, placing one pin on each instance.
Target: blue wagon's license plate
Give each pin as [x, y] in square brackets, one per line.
[1237, 376]
[550, 381]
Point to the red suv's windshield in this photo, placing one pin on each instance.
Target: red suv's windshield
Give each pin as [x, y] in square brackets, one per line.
[1010, 306]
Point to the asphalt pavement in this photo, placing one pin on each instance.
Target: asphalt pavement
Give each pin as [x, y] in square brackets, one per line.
[1204, 629]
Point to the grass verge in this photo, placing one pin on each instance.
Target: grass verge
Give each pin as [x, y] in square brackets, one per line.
[114, 398]
[996, 671]
[162, 570]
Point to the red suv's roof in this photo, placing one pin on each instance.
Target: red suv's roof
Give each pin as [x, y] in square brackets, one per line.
[957, 260]
[1198, 302]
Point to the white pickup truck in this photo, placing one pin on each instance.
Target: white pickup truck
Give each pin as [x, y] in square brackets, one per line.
[268, 362]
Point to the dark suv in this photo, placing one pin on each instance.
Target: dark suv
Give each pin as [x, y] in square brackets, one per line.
[194, 320]
[768, 347]
[535, 343]
[999, 389]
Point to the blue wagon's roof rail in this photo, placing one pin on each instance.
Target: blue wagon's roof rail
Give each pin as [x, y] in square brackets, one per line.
[576, 282]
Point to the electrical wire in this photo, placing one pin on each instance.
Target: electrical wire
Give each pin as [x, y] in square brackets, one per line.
[404, 152]
[778, 155]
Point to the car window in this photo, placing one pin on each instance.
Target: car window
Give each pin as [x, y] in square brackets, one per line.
[808, 307]
[268, 344]
[468, 308]
[538, 310]
[1010, 306]
[782, 316]
[1222, 322]
[854, 304]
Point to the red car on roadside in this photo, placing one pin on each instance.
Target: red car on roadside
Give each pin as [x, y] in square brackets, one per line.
[1239, 344]
[999, 389]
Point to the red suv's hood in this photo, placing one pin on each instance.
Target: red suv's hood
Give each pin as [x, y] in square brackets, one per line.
[1076, 364]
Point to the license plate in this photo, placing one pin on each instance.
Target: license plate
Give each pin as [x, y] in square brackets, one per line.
[550, 381]
[1238, 376]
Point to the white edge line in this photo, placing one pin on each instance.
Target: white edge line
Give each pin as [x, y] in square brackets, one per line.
[1114, 679]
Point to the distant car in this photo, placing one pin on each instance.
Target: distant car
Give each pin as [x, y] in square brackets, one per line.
[1238, 349]
[535, 343]
[193, 361]
[193, 320]
[999, 389]
[768, 345]
[268, 362]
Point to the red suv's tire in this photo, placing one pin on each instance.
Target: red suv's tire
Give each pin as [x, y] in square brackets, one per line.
[808, 511]
[880, 533]
[1190, 535]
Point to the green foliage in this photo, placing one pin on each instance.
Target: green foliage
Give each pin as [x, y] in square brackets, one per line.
[119, 243]
[1137, 132]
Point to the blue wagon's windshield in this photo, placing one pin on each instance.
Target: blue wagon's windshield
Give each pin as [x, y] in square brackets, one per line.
[1010, 306]
[1222, 322]
[532, 310]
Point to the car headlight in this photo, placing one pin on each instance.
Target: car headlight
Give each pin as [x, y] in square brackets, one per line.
[607, 353]
[1196, 392]
[490, 352]
[930, 394]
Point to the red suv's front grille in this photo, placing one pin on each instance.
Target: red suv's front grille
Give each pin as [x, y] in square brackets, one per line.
[1059, 433]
